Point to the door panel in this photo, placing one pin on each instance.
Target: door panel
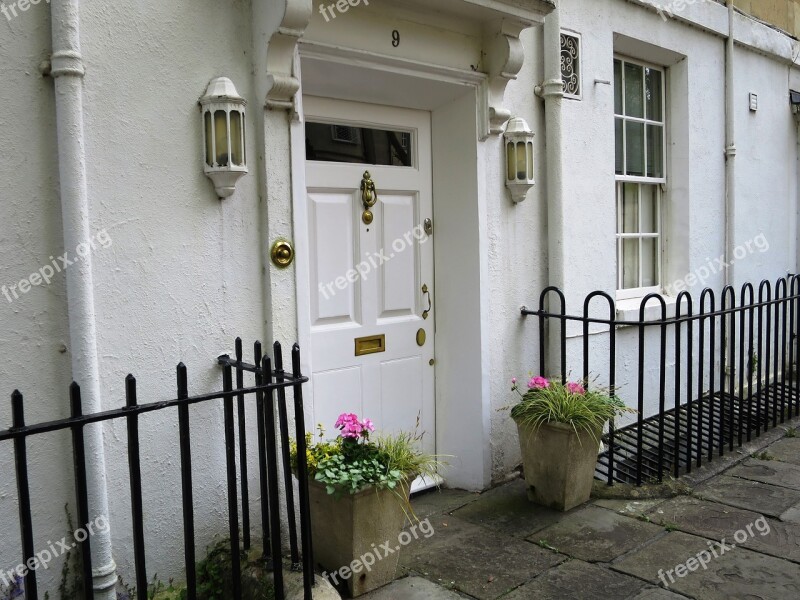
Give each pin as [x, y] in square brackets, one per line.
[333, 253]
[366, 280]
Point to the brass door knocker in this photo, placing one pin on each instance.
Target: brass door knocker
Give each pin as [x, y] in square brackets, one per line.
[369, 196]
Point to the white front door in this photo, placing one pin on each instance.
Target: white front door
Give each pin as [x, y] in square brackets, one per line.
[371, 349]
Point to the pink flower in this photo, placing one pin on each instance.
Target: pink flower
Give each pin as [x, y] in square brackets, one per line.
[538, 383]
[576, 388]
[349, 425]
[367, 425]
[513, 381]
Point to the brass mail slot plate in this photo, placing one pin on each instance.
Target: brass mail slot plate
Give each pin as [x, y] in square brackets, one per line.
[370, 345]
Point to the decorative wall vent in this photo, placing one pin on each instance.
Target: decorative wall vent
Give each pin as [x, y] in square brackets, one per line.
[571, 65]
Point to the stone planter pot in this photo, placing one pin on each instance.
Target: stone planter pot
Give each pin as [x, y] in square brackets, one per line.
[559, 464]
[348, 528]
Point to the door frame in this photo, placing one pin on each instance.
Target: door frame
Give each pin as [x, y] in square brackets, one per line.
[462, 390]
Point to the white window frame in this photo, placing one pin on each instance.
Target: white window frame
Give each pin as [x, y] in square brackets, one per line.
[658, 182]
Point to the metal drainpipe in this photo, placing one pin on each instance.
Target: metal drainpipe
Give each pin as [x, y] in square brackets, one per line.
[67, 71]
[552, 90]
[730, 147]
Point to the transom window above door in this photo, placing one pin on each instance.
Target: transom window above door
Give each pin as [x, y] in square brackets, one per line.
[343, 143]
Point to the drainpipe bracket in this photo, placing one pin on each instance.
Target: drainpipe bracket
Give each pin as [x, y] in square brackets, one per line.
[66, 63]
[730, 151]
[550, 88]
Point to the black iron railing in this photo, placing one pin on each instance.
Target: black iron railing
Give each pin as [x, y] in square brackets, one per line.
[726, 371]
[270, 389]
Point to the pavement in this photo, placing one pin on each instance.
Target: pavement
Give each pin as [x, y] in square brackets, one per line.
[736, 535]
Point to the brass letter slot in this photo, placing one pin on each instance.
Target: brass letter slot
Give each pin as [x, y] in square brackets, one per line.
[370, 345]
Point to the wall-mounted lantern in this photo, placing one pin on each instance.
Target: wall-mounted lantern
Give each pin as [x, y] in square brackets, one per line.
[519, 158]
[223, 135]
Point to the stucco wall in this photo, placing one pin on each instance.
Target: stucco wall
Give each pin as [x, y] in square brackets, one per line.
[183, 275]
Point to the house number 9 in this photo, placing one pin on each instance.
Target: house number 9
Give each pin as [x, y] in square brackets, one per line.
[395, 38]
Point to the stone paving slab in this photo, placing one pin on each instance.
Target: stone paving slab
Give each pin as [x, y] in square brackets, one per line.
[578, 580]
[655, 593]
[633, 508]
[507, 510]
[786, 450]
[737, 574]
[758, 497]
[412, 588]
[596, 534]
[443, 501]
[717, 521]
[773, 472]
[476, 560]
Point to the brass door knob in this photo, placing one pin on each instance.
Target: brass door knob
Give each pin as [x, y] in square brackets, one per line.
[282, 253]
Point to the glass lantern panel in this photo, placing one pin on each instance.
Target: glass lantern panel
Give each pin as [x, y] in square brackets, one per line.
[221, 138]
[209, 140]
[510, 161]
[236, 138]
[530, 160]
[522, 162]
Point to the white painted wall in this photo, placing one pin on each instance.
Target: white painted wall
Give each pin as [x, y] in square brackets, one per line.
[184, 274]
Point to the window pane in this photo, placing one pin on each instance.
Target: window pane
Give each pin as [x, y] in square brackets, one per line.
[655, 151]
[630, 208]
[619, 146]
[634, 148]
[653, 94]
[511, 162]
[649, 209]
[634, 90]
[345, 143]
[617, 87]
[630, 263]
[649, 262]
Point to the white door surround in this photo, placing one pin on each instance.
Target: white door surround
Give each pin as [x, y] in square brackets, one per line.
[459, 232]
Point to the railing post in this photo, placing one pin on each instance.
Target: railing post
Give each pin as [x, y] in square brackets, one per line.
[241, 413]
[230, 462]
[81, 488]
[134, 468]
[187, 493]
[23, 489]
[302, 474]
[272, 474]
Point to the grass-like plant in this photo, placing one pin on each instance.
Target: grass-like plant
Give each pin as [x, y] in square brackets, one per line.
[551, 401]
[353, 462]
